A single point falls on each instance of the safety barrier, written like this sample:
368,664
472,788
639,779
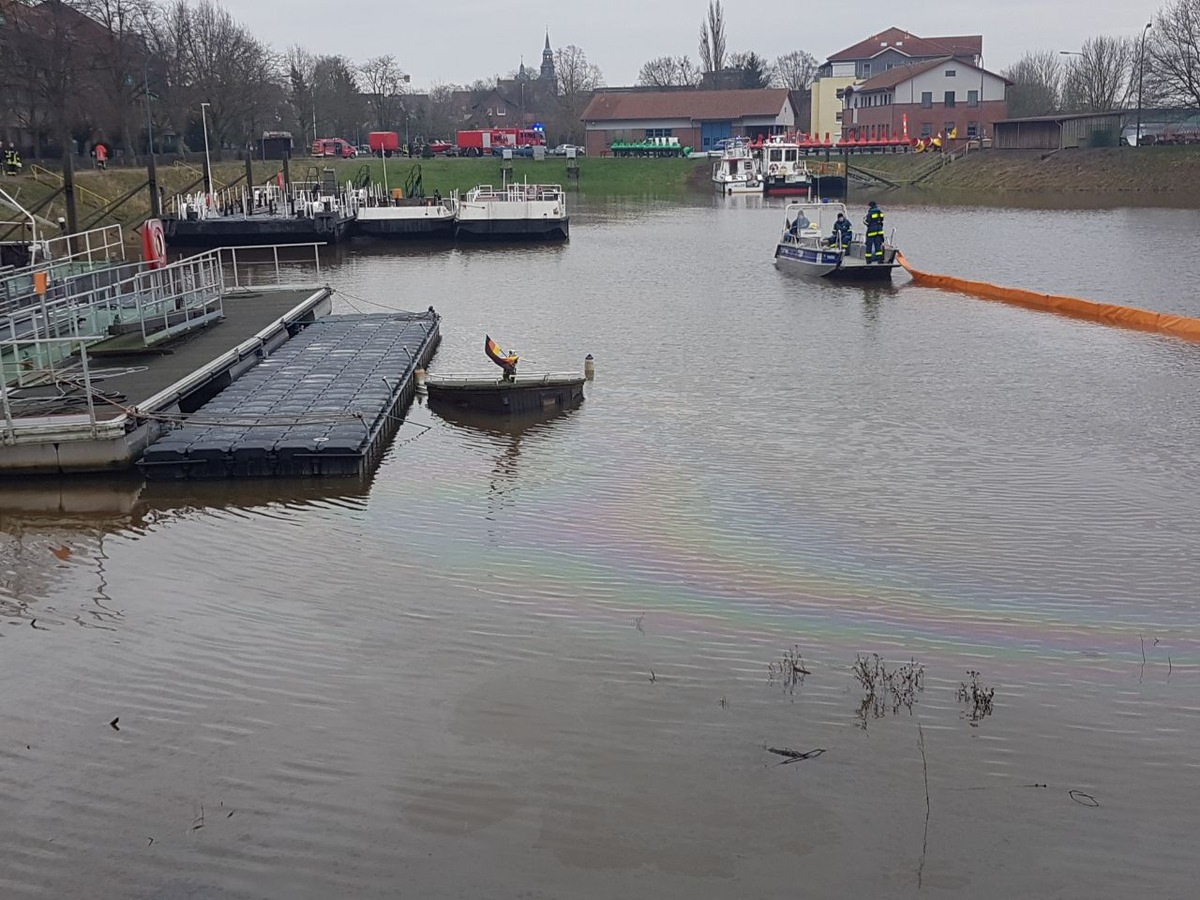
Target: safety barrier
1105,313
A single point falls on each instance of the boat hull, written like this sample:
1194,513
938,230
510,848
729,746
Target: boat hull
525,394
738,187
512,229
405,227
828,263
254,230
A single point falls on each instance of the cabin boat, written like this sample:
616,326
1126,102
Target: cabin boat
784,167
519,211
807,248
738,171
382,215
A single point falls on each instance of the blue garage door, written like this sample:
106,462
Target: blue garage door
711,132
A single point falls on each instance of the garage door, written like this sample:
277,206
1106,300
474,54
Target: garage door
711,132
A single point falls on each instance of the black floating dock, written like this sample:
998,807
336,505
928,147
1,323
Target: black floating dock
326,403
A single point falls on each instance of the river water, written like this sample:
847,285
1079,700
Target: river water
545,661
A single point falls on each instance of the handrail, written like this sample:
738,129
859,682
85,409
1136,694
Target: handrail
37,171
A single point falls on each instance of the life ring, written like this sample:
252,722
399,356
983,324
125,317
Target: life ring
154,244
774,168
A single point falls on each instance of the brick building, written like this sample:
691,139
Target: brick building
939,96
697,118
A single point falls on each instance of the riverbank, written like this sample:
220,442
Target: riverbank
1142,174
1097,177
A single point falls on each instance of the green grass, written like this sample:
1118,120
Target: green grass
599,176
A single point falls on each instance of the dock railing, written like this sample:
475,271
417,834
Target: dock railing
62,258
244,267
28,419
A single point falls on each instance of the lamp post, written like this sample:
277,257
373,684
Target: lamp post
1137,133
155,207
207,160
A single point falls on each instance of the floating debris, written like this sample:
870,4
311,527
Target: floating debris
789,671
114,725
978,698
794,755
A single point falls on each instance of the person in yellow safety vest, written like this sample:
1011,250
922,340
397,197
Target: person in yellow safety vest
12,160
873,251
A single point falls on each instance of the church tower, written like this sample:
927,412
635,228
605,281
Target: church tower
548,73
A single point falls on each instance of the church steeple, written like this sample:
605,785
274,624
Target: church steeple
548,73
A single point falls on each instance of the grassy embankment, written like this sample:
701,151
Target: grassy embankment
1146,172
597,177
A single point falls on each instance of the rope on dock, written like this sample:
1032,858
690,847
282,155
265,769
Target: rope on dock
1111,314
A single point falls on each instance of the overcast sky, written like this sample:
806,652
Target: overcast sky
458,41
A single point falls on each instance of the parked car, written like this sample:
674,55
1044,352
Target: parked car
561,150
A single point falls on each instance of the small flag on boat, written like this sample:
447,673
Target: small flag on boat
506,361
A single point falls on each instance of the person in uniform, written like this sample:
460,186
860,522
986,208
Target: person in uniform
874,243
842,233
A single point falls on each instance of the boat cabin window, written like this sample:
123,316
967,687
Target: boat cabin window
776,155
789,154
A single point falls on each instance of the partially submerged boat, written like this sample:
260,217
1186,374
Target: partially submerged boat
809,246
738,171
513,212
508,393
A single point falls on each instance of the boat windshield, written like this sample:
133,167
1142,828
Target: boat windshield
814,218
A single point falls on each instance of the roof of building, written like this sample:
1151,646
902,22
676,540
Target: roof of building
897,75
910,45
1056,118
685,104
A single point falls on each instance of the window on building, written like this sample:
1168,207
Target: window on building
949,99
866,70
659,132
926,129
950,126
950,73
490,111
837,116
501,111
972,98
927,99
972,129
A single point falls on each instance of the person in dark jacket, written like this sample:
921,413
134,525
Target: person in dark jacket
874,243
842,233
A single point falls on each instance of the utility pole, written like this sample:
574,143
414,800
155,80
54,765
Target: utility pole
1137,133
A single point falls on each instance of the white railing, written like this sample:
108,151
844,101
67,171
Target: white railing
49,417
62,258
238,265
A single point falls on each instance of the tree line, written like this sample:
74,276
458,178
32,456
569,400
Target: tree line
86,71
1158,68
720,68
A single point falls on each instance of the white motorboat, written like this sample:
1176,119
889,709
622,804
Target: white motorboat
737,171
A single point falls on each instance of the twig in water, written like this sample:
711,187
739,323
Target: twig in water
652,678
113,724
925,839
637,623
198,822
795,755
1084,799
1143,640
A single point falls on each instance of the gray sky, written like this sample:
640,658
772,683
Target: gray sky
461,40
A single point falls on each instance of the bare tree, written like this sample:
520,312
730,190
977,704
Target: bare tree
383,83
1099,79
577,81
121,61
336,96
712,38
1036,84
1172,53
794,71
668,72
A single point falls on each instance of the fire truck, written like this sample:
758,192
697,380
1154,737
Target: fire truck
482,141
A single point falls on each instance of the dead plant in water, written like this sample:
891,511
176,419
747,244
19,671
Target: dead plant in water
978,698
789,671
884,688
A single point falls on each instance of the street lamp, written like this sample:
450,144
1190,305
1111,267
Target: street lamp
207,162
155,206
1137,133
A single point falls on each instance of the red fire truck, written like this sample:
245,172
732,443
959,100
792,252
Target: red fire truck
482,141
